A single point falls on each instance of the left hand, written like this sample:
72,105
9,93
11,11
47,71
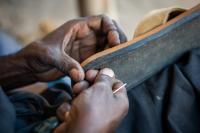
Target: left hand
60,52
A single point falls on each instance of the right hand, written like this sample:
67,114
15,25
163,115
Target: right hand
96,109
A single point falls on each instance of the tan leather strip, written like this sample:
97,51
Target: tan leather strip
110,50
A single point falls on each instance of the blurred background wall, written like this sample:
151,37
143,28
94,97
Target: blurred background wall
28,20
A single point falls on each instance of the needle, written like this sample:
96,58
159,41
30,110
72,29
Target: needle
119,88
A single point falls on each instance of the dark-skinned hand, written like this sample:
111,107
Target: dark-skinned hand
61,52
95,109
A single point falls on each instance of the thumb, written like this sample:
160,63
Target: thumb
62,109
68,65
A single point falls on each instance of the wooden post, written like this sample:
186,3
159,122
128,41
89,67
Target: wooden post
96,7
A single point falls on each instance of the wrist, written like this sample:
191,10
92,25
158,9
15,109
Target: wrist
14,72
88,129
88,124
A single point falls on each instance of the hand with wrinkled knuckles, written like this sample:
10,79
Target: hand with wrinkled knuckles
95,109
60,52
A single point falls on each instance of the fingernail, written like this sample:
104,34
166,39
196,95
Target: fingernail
113,38
91,75
64,107
107,71
80,86
76,75
66,114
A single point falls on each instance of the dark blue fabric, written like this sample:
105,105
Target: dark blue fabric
32,109
7,114
168,102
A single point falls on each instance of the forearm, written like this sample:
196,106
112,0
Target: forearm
82,125
14,73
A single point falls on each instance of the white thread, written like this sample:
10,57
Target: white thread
120,88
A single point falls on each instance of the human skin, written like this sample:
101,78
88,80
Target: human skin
95,109
60,52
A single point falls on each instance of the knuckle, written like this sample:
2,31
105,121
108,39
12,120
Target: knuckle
40,50
106,79
74,23
107,70
101,85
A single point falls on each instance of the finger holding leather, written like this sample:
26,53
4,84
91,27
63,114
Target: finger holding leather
80,86
122,35
105,78
91,75
62,109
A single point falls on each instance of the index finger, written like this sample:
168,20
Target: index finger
104,74
105,79
101,22
105,24
122,35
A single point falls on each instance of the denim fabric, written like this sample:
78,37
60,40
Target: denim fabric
33,110
168,102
